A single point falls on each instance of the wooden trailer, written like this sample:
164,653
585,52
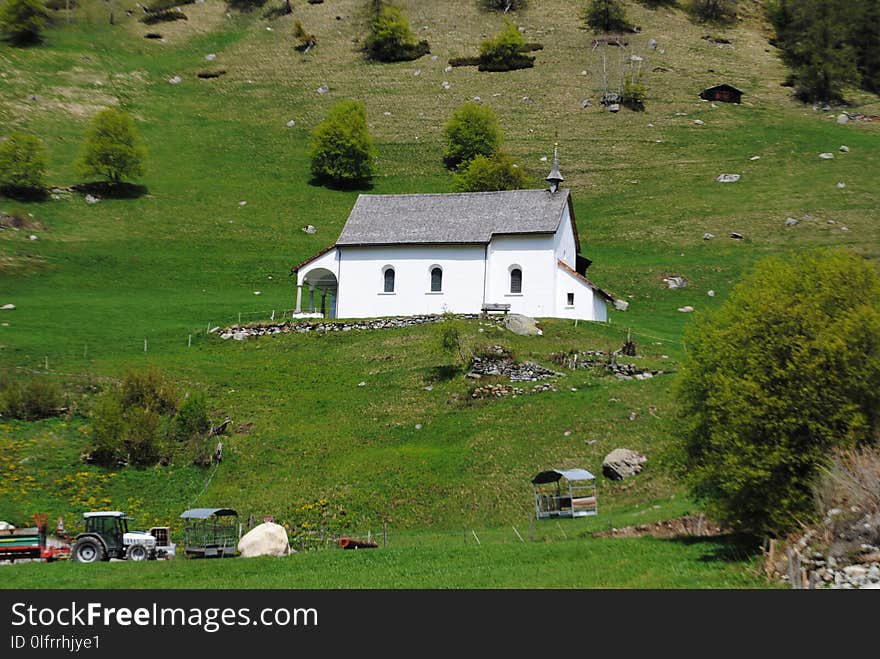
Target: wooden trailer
565,493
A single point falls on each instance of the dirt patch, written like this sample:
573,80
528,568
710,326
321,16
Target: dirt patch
20,220
243,428
691,525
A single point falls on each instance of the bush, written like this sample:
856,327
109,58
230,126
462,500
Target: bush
713,10
504,52
342,151
23,163
391,39
30,400
472,130
163,16
607,16
192,420
498,172
451,338
23,21
245,6
112,148
140,422
634,93
502,5
305,41
785,371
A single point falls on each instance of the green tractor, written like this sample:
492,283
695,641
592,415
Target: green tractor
107,536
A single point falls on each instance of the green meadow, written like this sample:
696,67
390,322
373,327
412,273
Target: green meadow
132,282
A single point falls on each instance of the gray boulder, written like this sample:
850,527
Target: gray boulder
266,539
522,325
622,463
621,305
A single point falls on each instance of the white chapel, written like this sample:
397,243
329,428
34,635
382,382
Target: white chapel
409,254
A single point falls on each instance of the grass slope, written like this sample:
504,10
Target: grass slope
188,255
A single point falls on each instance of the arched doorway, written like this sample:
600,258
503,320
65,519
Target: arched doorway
322,289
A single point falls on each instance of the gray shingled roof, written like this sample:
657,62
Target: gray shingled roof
466,217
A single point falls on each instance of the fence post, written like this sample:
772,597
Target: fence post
189,343
145,345
384,534
531,529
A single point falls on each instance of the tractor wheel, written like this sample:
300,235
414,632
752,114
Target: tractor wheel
88,550
136,553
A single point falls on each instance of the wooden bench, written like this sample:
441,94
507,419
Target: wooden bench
489,307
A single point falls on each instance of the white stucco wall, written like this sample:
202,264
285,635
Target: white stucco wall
361,270
328,261
534,255
563,242
587,304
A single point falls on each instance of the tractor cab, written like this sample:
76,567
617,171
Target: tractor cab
107,536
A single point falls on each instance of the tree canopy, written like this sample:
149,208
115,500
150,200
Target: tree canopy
112,149
22,163
607,16
342,151
787,369
471,130
497,172
23,21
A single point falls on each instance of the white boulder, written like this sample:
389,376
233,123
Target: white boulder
266,539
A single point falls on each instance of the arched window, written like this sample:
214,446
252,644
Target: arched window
515,280
388,280
436,279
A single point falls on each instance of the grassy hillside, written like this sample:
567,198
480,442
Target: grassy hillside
188,255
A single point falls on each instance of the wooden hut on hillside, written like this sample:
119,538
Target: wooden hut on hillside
724,93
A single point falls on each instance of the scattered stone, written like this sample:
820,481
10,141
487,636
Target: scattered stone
242,203
429,388
842,118
386,114
708,236
543,158
210,57
755,158
91,199
826,156
622,463
791,221
7,307
522,325
710,293
621,305
841,185
727,178
32,237
675,281
323,89
686,309
309,229
258,292
418,426
176,80
567,433
585,103
362,384
652,43
737,236
699,122
526,99
239,335
633,416
417,72
445,84
291,123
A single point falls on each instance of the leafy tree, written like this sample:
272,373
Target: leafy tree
504,52
865,39
472,130
23,21
714,10
498,172
786,370
22,163
390,38
112,148
607,16
342,150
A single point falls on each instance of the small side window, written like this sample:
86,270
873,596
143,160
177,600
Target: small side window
388,280
570,299
436,279
516,280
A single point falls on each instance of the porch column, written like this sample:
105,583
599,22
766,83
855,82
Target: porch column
324,302
311,299
331,297
299,295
